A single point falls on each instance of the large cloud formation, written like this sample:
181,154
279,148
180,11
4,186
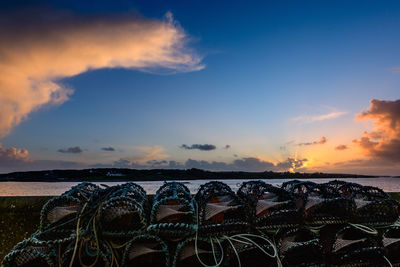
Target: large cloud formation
250,164
383,142
39,48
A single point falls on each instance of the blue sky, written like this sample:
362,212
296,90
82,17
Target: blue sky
273,75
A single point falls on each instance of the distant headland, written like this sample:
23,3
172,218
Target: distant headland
116,174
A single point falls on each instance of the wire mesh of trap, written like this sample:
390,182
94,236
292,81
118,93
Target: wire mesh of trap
31,253
321,203
300,247
124,211
146,250
356,246
220,210
391,244
173,212
372,205
89,252
270,207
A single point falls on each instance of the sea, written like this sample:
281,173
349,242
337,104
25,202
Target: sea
388,184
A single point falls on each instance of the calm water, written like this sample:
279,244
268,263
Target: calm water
388,184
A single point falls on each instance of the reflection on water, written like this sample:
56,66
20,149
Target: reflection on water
388,184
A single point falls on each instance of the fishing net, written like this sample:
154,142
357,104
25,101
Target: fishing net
322,204
123,213
270,207
373,206
173,212
300,247
391,244
31,253
146,250
357,245
195,252
88,252
220,210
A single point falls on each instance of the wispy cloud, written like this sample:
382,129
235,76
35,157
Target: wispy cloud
38,48
322,117
321,141
396,69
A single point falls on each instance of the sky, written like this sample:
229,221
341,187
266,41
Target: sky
299,86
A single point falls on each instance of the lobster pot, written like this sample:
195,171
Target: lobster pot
31,253
173,212
88,252
356,247
270,207
220,210
123,214
391,244
146,250
60,214
251,251
323,204
300,247
375,207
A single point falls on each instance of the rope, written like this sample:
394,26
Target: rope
365,228
218,263
77,237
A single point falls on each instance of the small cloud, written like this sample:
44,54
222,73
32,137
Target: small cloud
205,147
108,148
227,147
341,147
315,118
321,141
396,69
72,150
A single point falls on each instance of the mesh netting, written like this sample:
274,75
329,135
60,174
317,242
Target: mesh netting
220,210
270,207
173,211
124,212
300,247
146,250
353,244
322,203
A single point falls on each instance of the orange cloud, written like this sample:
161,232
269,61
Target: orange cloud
12,155
383,141
36,52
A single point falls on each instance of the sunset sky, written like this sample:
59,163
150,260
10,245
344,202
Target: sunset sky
220,85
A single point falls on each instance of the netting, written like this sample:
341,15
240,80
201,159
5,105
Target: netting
220,210
357,244
173,212
303,223
270,207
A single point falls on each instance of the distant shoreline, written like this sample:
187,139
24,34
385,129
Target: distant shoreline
134,175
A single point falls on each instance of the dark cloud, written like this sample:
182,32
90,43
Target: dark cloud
291,164
341,147
155,163
72,150
383,142
108,148
205,147
321,141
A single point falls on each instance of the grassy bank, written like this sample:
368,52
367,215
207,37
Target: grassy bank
20,218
